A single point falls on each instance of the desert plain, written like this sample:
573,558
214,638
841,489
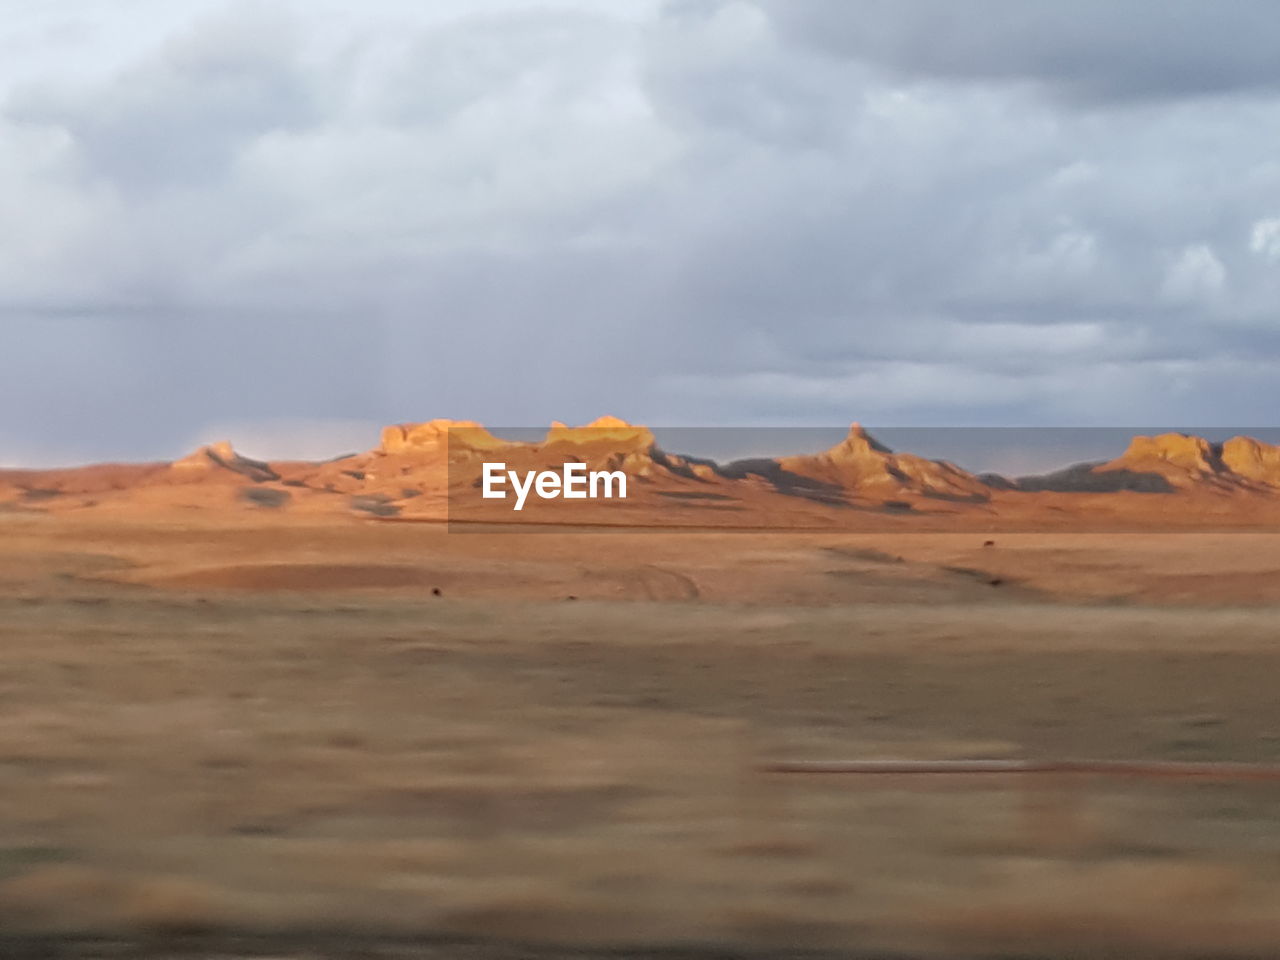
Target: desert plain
232,726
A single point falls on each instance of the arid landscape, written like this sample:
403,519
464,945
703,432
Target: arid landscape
924,606
247,712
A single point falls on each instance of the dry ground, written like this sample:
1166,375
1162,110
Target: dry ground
274,726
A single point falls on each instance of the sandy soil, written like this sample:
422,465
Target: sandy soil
271,726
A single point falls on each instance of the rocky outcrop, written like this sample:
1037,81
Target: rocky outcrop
610,430
863,466
607,443
435,435
1180,451
1181,459
1172,462
1253,460
220,460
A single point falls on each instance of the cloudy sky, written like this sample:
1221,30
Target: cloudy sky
288,222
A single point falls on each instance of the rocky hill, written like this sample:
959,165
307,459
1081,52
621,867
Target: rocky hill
862,467
1170,463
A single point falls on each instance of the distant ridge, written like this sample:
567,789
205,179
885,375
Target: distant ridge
428,469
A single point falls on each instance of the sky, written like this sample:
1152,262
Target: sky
286,223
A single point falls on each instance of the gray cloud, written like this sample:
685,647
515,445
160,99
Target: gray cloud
177,118
1088,50
685,213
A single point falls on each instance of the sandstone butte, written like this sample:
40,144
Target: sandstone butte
416,465
436,434
1252,459
1187,461
603,429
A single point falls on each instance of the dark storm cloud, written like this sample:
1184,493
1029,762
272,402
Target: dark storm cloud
1087,50
684,213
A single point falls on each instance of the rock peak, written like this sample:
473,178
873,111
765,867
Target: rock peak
1252,459
222,455
859,444
1178,449
435,435
863,464
613,429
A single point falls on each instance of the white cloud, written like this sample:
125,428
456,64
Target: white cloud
1264,238
1195,274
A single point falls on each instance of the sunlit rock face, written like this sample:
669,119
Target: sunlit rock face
863,465
610,430
220,460
434,435
1190,453
1253,460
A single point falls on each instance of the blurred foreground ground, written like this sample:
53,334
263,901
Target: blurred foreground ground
276,730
